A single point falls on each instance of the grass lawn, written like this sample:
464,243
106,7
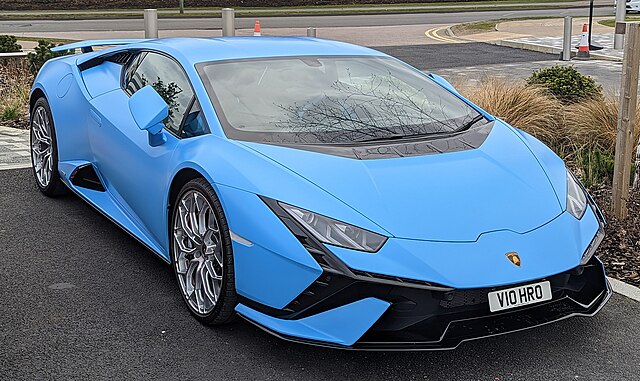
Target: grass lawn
612,22
54,40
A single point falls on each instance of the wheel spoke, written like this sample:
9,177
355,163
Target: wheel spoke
183,210
179,237
189,280
212,271
181,264
207,279
203,213
193,219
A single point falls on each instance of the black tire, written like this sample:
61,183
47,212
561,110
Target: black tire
224,310
55,186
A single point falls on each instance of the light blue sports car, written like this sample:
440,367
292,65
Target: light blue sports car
326,192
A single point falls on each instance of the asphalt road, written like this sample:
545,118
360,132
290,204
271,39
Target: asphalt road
31,26
431,57
83,300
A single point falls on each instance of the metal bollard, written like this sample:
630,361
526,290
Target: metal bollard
311,32
150,23
228,22
621,12
566,42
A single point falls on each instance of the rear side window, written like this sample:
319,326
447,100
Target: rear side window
167,78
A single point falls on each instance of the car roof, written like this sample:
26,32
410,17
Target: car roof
198,50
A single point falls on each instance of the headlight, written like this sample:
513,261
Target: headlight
576,198
332,232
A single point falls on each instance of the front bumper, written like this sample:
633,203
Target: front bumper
418,315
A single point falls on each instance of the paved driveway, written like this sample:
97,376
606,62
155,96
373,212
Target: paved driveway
83,300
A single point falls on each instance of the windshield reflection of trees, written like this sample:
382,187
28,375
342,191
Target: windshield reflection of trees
381,107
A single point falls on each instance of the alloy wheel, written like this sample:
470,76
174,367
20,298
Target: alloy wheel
41,146
198,256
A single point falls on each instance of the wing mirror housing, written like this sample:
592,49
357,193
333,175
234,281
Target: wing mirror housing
149,111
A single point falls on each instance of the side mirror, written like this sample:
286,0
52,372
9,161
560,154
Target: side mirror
149,110
442,82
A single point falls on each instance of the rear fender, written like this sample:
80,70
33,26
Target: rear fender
58,80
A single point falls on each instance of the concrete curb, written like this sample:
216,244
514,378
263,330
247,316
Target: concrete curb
625,289
530,46
547,49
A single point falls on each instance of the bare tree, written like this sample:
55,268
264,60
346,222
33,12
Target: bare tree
381,106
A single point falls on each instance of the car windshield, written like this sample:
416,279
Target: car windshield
330,100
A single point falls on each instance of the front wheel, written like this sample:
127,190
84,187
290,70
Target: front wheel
201,254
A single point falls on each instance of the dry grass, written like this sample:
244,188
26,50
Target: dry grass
592,124
15,84
526,107
583,133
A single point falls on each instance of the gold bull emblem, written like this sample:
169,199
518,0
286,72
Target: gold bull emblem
514,258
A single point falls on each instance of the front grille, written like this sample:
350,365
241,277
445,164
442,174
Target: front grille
461,298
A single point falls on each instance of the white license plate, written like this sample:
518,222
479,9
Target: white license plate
519,296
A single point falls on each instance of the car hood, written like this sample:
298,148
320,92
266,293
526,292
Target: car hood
451,196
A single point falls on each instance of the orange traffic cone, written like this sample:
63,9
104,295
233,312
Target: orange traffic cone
256,29
583,48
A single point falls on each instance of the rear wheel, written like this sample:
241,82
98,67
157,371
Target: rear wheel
44,150
201,254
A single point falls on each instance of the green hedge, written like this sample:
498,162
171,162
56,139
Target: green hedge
141,4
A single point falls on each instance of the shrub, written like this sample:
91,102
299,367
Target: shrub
9,44
595,167
566,83
42,53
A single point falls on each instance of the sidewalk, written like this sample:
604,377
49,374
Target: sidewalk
546,36
548,33
362,35
14,148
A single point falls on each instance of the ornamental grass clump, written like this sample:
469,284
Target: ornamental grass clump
529,108
15,85
582,132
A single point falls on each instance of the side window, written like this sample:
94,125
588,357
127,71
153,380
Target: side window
167,78
194,123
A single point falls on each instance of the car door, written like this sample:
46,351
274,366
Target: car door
137,174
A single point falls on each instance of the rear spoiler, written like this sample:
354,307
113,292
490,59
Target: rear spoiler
87,46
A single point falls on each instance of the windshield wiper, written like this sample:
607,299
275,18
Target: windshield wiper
470,123
383,138
465,127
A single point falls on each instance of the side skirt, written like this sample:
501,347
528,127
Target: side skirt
102,202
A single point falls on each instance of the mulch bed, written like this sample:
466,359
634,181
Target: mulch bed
620,249
22,123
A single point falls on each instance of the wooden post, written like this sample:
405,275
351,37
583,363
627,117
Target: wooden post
626,121
636,176
181,4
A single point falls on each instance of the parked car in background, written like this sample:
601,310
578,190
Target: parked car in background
631,6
